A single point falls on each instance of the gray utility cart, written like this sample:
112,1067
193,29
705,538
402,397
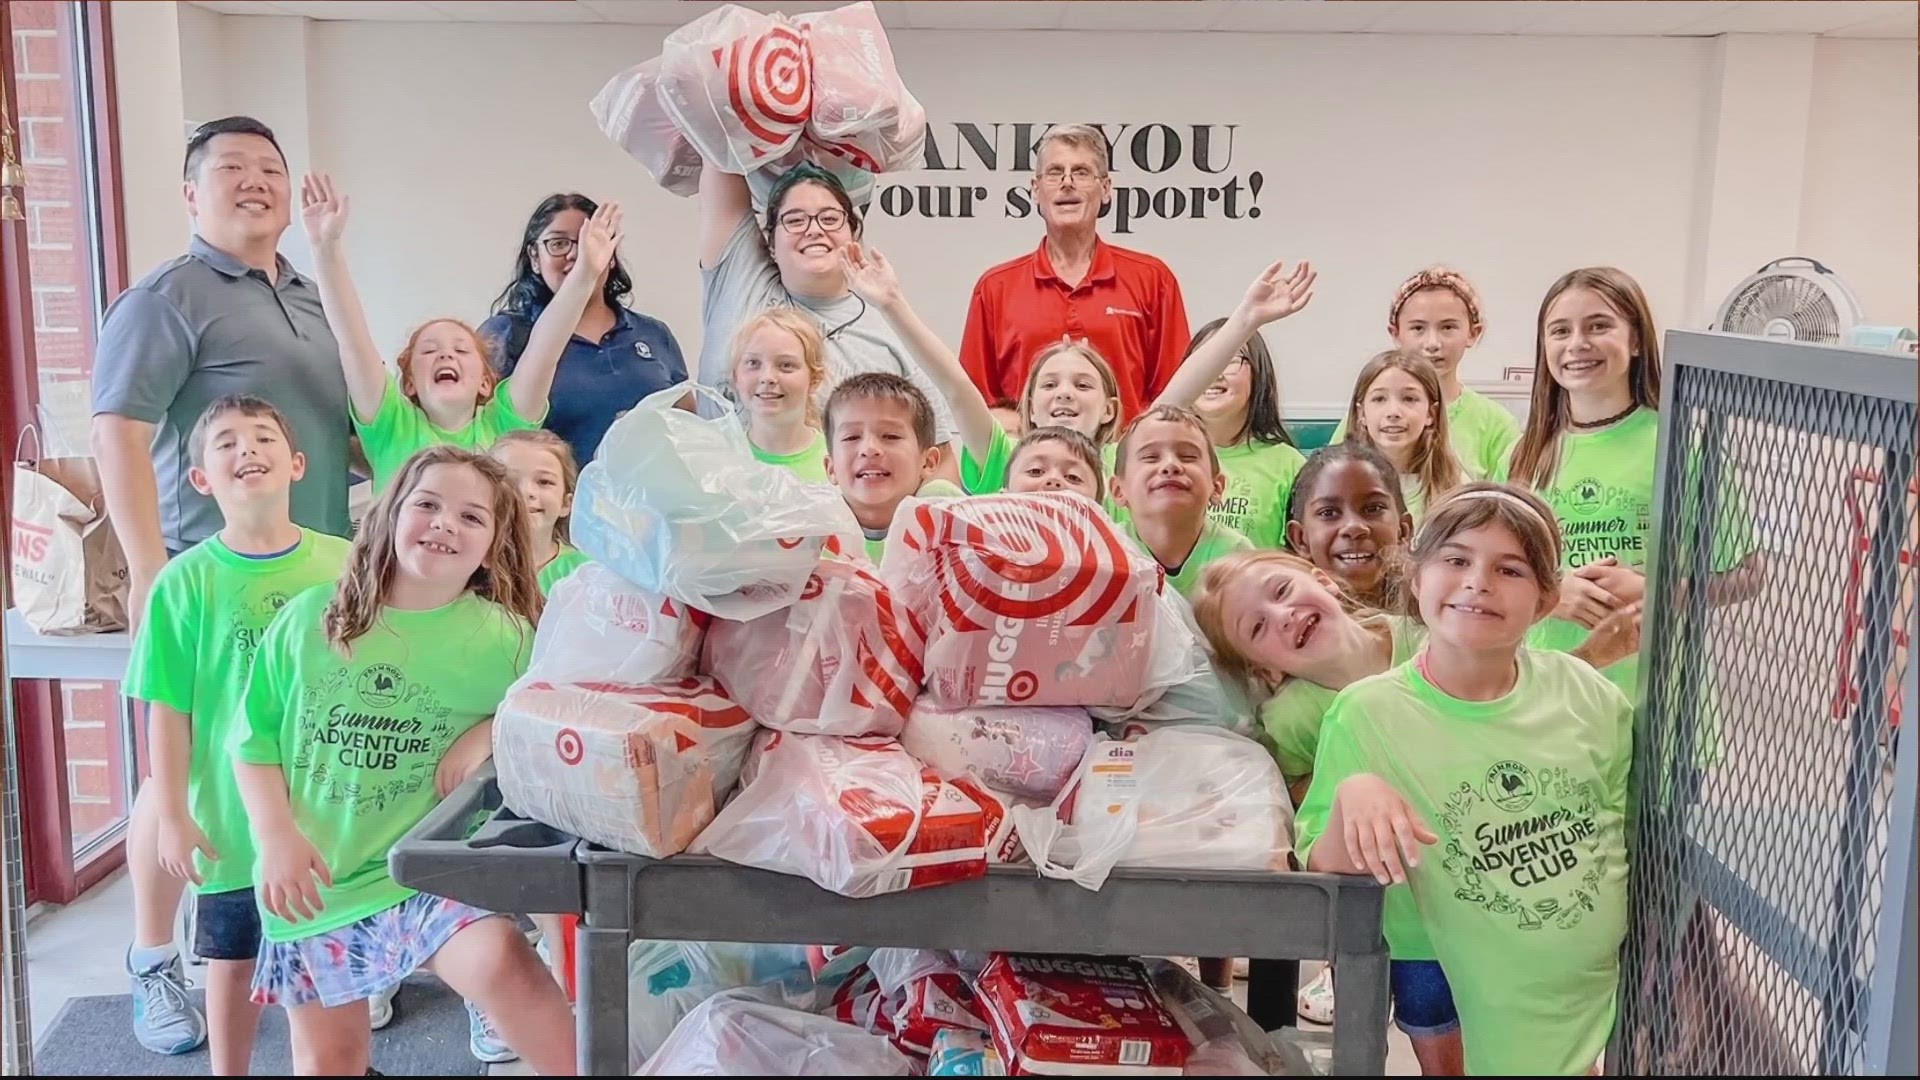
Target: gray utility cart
474,850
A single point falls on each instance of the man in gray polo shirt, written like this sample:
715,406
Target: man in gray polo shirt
230,316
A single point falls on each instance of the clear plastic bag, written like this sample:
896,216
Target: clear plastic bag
1193,692
629,111
1033,599
739,85
637,768
862,113
1226,1041
859,817
1185,798
843,660
678,505
599,627
734,1033
1026,752
667,979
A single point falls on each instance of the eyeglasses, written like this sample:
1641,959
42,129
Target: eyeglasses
832,219
558,246
1081,175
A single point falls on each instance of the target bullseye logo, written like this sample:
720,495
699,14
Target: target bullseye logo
813,588
789,543
570,746
1022,686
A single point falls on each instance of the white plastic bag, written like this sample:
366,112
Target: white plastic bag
636,768
738,84
859,817
734,1033
1226,1041
1027,752
666,980
629,112
1185,798
1033,599
861,112
843,660
600,627
677,505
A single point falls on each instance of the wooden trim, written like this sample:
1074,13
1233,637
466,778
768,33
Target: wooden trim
98,20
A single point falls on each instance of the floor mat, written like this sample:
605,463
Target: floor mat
93,1036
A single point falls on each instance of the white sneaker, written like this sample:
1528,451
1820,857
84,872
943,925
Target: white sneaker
380,1008
1316,998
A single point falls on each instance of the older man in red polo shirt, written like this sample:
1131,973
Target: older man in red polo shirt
1126,303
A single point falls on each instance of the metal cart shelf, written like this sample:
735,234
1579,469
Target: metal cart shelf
510,864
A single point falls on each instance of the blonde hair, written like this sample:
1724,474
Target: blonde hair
1536,458
1171,414
1433,460
813,349
1209,603
1109,384
541,438
1080,136
1445,278
1513,508
489,379
506,575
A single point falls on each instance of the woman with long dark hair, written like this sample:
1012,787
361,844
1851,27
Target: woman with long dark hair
617,355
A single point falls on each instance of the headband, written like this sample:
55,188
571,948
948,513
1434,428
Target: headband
1505,496
1438,277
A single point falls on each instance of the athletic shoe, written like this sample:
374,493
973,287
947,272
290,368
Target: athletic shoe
484,1041
1316,998
380,1008
164,1018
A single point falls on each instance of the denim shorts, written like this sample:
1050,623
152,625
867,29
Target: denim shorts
226,925
1422,1000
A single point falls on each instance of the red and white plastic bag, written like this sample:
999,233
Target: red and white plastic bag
843,660
636,768
857,816
1079,1016
1030,600
1027,752
734,1033
862,113
1185,798
599,627
739,85
629,111
1193,691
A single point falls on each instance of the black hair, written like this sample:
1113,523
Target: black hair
528,290
808,173
226,125
1318,462
1264,423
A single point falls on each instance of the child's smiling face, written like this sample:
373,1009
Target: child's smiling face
875,459
1169,471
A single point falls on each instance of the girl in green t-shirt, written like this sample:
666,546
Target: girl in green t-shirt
1396,408
1348,516
368,701
1242,411
541,465
779,368
1511,765
444,389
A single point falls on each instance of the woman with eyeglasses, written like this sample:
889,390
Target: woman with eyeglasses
616,355
792,258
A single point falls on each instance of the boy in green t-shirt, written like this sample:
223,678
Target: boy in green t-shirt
204,619
880,449
1166,475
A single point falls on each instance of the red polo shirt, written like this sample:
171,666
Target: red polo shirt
1129,307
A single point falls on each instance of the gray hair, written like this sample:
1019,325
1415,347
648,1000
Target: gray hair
1083,136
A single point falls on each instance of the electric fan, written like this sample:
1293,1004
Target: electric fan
1794,299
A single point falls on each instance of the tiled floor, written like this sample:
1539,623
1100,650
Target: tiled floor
78,950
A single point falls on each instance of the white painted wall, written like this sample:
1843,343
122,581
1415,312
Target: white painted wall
148,91
1686,161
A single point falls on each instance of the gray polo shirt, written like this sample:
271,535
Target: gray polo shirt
206,325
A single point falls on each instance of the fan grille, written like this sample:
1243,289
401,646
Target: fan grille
1784,305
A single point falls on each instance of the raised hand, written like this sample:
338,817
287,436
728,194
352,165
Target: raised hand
1277,293
1585,601
871,276
1616,638
323,210
599,239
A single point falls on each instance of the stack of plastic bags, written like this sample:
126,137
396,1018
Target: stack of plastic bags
755,94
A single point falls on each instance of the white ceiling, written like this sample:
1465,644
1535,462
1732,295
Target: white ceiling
1837,18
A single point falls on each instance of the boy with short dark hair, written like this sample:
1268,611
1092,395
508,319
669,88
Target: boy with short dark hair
881,449
1166,473
190,659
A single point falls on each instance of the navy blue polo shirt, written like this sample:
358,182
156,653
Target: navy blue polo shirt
597,381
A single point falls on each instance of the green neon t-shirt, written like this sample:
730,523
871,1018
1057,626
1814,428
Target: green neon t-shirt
401,429
565,562
932,489
809,464
205,617
1216,541
1259,482
1481,431
1524,898
989,477
1291,718
360,737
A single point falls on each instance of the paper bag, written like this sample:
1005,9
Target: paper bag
69,574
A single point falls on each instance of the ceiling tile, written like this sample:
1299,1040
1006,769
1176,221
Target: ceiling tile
240,7
1307,16
1905,24
1171,16
986,15
1621,17
365,11
529,11
1789,16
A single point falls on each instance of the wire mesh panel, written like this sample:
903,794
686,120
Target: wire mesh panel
1783,564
